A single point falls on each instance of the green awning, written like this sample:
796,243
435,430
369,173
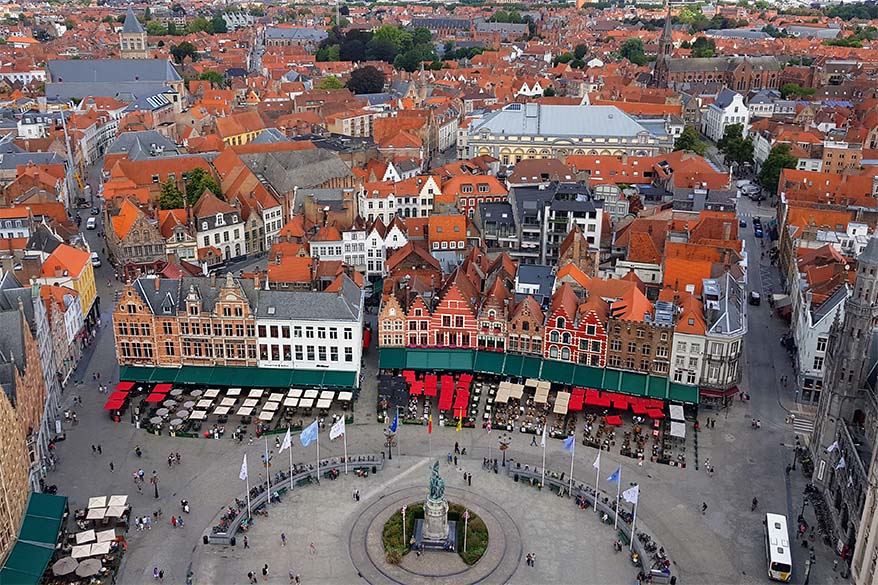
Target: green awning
306,378
340,379
683,393
634,384
612,380
490,362
194,375
531,367
392,358
558,372
134,374
588,376
461,360
39,529
26,564
47,506
513,364
417,359
274,378
162,375
658,387
43,519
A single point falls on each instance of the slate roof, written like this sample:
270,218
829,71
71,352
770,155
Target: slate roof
718,64
136,145
132,25
344,305
303,169
108,77
299,34
556,120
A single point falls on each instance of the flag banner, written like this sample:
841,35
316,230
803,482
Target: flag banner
337,429
616,475
840,464
597,461
288,442
309,434
459,424
631,494
395,422
543,440
243,474
570,443
488,427
832,447
430,425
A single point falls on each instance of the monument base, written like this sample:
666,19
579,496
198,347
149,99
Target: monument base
449,544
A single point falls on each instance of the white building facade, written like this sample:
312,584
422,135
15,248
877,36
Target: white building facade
728,108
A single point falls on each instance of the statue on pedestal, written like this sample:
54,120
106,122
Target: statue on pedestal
437,485
436,509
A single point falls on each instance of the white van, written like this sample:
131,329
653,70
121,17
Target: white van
91,223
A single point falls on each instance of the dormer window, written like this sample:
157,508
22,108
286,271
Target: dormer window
234,219
219,219
204,226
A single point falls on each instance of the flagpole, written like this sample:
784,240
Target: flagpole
247,479
543,471
572,454
318,450
618,490
597,477
345,438
267,470
290,448
633,523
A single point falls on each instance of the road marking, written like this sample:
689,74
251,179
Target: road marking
803,426
381,489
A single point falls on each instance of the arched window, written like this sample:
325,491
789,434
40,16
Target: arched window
565,353
560,322
554,337
553,352
565,338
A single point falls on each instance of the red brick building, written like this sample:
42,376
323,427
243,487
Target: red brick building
454,321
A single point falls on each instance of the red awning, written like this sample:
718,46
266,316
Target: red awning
162,388
604,400
620,402
655,413
614,420
576,399
416,388
715,392
592,397
124,386
155,397
408,375
117,396
114,404
655,403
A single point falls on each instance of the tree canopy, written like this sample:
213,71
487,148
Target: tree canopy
778,159
703,47
734,146
170,197
367,79
632,49
389,43
197,181
690,139
794,91
329,82
215,78
183,50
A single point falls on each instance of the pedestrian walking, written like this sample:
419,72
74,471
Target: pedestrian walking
112,467
754,504
357,495
250,577
456,448
100,451
533,441
835,565
246,542
177,457
703,507
265,572
94,449
283,539
469,480
448,459
174,521
312,549
455,460
155,573
292,577
161,574
298,579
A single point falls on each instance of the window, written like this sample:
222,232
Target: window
321,333
333,333
169,348
300,355
310,351
645,350
554,337
333,354
348,354
818,363
309,332
321,353
632,347
565,337
168,328
348,333
297,331
565,353
590,329
553,352
596,346
615,345
821,344
560,322
263,331
458,321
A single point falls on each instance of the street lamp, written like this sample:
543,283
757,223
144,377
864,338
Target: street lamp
390,441
154,480
504,441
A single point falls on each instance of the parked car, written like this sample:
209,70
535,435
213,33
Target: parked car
755,298
758,232
95,210
95,259
742,223
92,223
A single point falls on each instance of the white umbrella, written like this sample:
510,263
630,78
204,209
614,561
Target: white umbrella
96,513
85,536
81,551
117,501
106,535
100,548
97,502
116,512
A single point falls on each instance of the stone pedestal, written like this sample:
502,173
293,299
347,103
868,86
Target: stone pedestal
436,520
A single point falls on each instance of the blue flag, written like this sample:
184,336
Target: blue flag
569,443
615,477
309,434
395,422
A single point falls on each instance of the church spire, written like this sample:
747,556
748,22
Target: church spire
666,41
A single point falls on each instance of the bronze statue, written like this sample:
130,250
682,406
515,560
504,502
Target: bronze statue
437,485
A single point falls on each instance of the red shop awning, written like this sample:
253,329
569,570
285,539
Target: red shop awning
614,420
155,397
114,404
124,386
117,396
655,413
162,388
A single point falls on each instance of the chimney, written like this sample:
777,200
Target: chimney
59,272
8,264
171,257
213,279
158,283
727,231
257,277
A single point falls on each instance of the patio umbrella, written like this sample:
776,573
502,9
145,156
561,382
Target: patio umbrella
196,393
177,392
162,411
182,413
88,567
176,422
65,566
156,420
169,403
188,404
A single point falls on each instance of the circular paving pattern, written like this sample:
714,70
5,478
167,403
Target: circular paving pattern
500,560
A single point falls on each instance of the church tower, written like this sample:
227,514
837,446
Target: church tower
666,49
132,39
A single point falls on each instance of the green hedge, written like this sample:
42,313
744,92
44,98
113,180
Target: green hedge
394,546
476,538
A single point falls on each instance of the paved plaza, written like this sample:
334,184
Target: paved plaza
724,545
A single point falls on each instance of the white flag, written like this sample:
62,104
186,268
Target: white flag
243,474
597,461
631,494
840,464
832,447
543,441
288,442
337,429
850,480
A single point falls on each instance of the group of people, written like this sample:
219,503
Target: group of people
173,458
530,559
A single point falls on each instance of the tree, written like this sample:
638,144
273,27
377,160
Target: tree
197,182
734,146
366,80
394,36
703,47
794,90
172,29
215,78
580,51
354,50
380,50
549,91
577,64
635,204
330,53
200,24
422,36
778,159
329,82
257,11
564,58
690,139
218,24
147,14
170,197
632,49
183,50
155,29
